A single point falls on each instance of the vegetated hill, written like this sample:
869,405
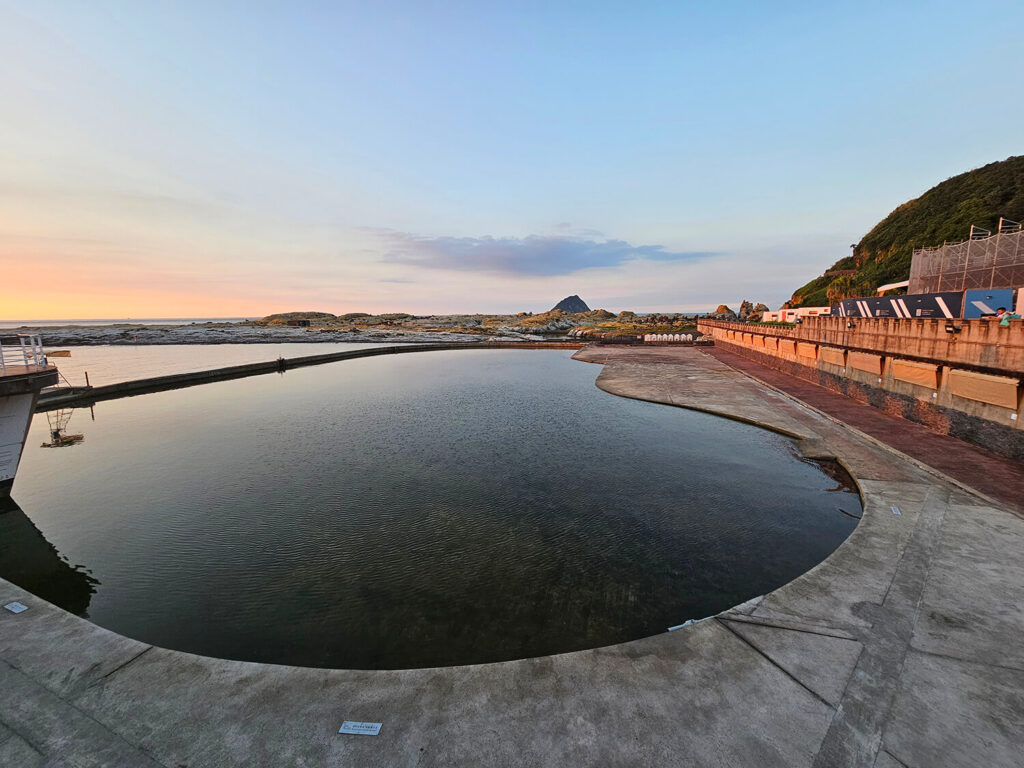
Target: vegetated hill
944,212
571,304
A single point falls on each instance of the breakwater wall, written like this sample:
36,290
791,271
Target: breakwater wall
964,381
78,396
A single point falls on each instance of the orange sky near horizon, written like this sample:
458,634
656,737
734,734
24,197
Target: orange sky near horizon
68,304
53,288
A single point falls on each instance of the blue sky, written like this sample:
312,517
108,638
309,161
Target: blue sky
176,158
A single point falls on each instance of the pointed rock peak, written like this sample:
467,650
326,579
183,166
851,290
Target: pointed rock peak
572,305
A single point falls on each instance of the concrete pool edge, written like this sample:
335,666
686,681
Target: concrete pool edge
85,396
779,680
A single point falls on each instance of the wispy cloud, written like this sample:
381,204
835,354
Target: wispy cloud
536,255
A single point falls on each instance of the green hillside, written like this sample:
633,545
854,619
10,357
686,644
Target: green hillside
944,212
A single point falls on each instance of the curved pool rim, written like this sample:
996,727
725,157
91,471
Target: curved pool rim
798,439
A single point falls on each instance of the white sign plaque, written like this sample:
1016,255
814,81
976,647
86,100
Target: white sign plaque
16,607
366,729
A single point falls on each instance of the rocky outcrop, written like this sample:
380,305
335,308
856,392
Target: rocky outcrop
572,305
748,312
282,318
549,322
758,311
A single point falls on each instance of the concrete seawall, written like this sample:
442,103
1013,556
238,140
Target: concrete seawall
970,344
964,385
901,649
85,396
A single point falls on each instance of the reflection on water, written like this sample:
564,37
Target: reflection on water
57,422
422,510
33,563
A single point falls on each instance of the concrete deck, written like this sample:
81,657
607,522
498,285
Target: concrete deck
995,476
901,649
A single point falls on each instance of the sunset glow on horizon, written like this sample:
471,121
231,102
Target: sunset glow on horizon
182,160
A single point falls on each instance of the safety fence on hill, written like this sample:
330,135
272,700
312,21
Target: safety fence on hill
985,261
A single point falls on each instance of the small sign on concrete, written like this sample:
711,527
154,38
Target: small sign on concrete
16,607
364,729
896,511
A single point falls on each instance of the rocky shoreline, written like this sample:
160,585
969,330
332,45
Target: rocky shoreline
356,327
243,333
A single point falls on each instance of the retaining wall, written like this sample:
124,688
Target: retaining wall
965,384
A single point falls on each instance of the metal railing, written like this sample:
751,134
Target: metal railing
22,353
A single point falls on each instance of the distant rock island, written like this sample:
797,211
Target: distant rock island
571,305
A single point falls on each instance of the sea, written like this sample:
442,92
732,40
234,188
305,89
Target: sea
122,320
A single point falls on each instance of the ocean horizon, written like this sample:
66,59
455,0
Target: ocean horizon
123,320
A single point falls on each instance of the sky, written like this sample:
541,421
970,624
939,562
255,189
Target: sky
234,159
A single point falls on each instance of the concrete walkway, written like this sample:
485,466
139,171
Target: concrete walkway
995,476
903,648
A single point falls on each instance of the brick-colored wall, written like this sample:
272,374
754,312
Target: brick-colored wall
981,343
969,381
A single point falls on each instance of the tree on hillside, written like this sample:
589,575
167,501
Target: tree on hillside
847,287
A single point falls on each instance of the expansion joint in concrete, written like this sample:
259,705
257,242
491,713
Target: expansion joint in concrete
855,735
893,758
770,660
915,560
965,660
837,634
14,733
124,664
140,755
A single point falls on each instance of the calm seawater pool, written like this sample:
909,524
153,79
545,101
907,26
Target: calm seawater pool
417,510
